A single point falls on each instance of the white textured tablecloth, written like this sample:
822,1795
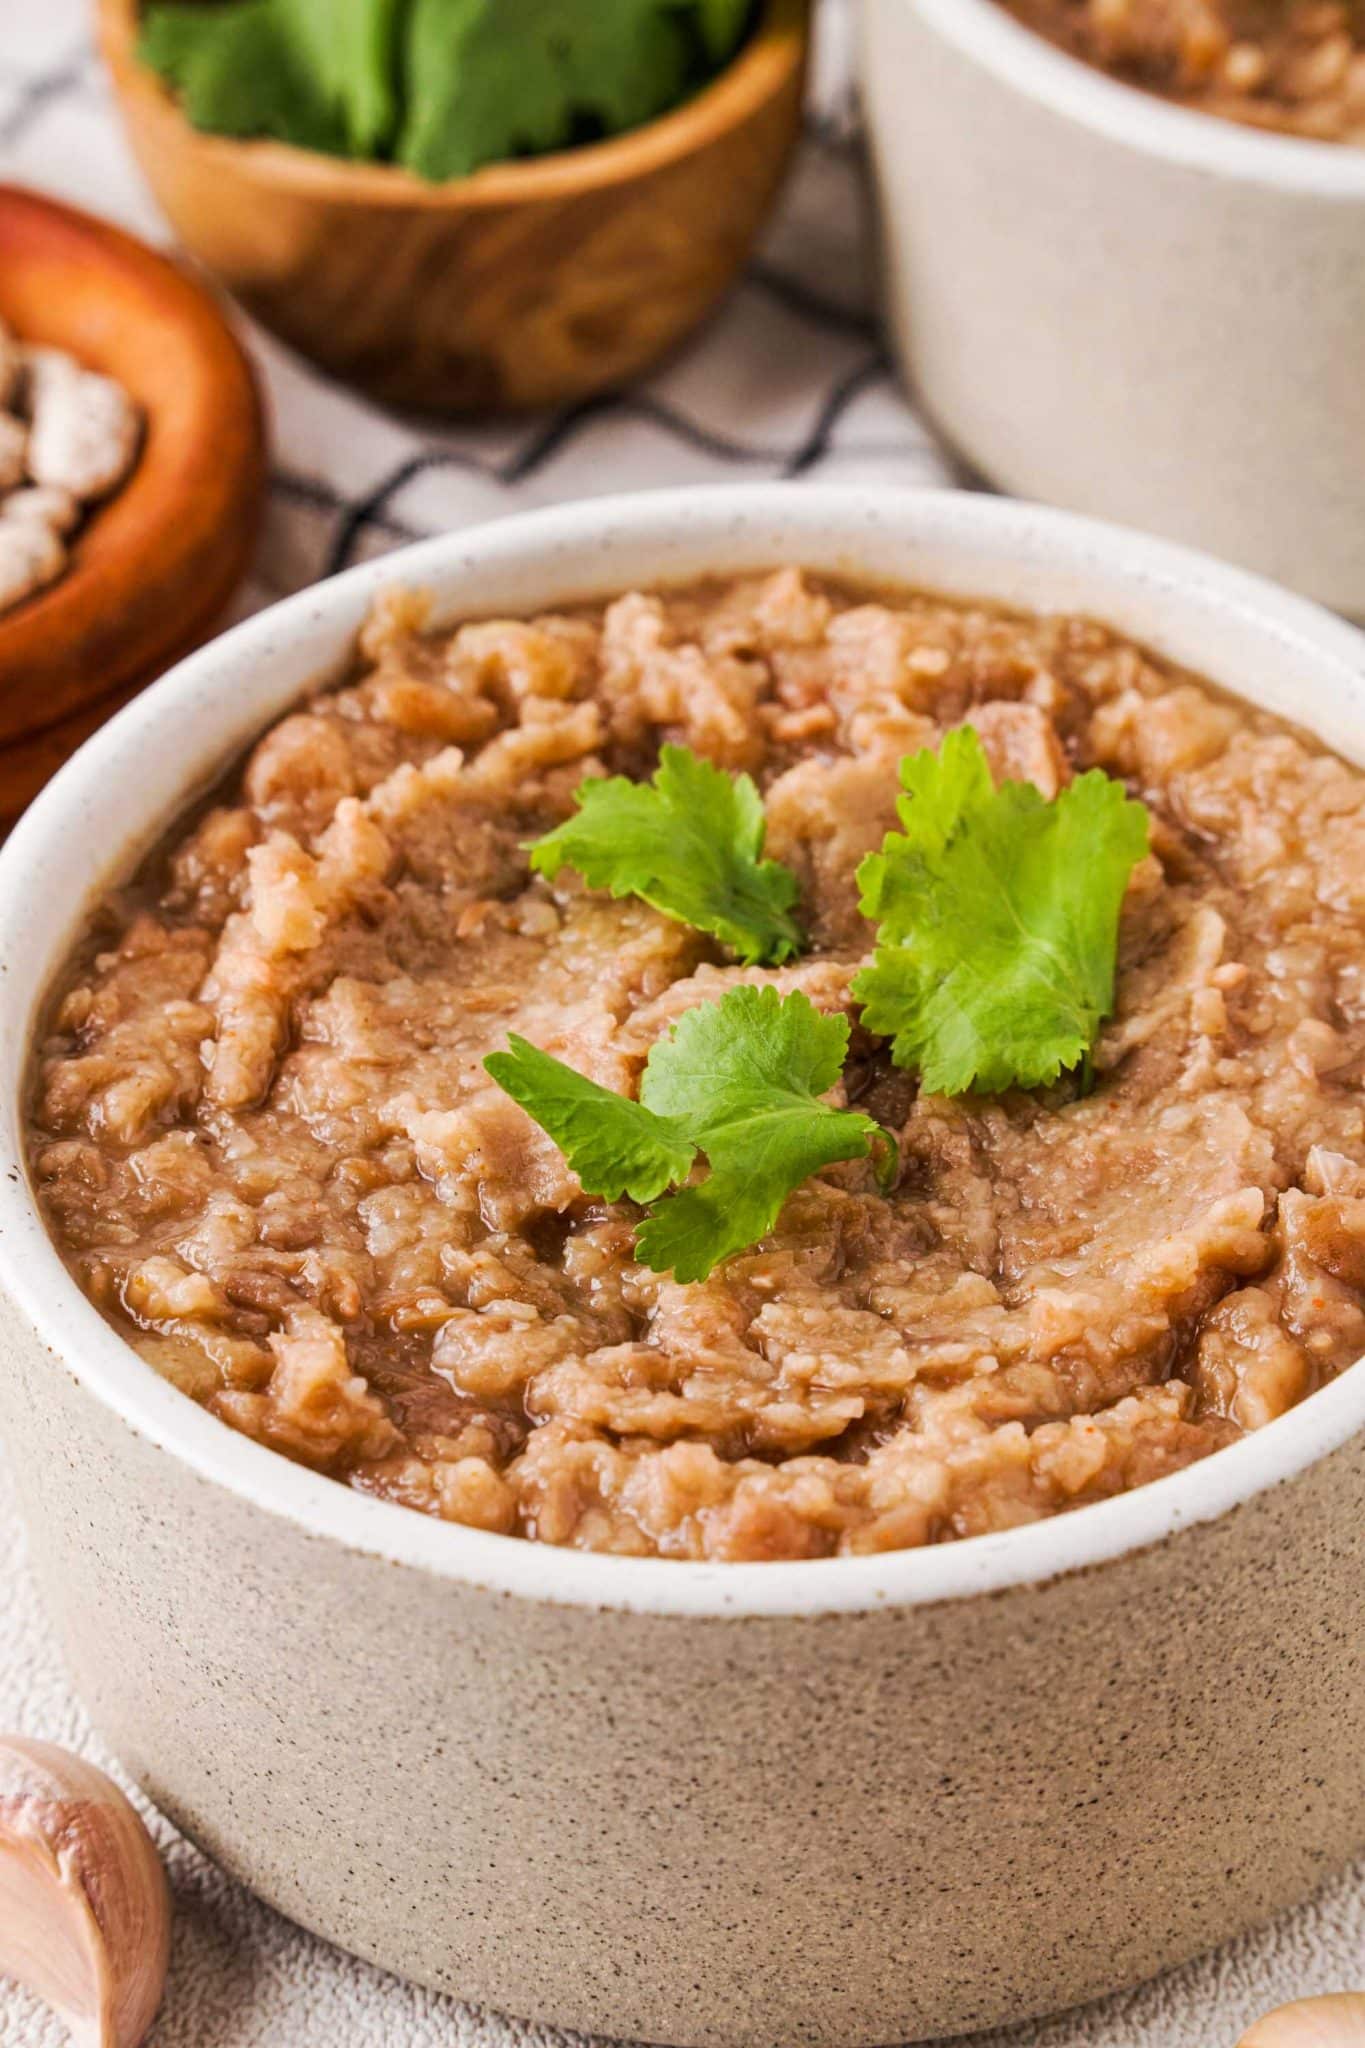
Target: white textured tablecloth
790,379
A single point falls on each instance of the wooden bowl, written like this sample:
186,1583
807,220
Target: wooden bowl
153,569
29,762
528,284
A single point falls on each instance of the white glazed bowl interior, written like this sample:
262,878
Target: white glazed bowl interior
129,783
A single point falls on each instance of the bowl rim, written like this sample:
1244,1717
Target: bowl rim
823,525
1023,59
760,69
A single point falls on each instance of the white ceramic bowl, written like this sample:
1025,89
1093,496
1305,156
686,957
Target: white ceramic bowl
862,1800
1119,305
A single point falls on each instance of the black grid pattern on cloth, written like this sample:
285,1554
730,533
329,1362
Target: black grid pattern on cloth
33,95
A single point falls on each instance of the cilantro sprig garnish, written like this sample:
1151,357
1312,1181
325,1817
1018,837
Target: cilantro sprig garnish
739,1081
691,844
439,86
488,79
997,915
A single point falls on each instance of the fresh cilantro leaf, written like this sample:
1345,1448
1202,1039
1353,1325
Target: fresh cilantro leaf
237,72
690,843
490,79
721,24
745,1077
443,86
350,51
615,1146
740,1080
997,916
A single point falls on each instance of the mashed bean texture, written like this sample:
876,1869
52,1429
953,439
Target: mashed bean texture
264,1139
1293,65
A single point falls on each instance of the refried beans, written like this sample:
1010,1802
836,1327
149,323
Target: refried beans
265,1142
1297,66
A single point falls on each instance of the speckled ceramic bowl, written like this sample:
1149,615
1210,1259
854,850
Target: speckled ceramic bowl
863,1800
1120,305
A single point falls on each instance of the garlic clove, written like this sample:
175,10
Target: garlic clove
84,1907
1335,2021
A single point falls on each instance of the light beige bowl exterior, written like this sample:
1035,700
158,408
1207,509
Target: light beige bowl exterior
858,1801
1119,305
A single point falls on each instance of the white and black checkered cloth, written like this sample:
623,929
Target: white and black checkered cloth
790,378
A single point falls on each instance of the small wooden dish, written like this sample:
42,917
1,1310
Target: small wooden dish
153,568
528,284
27,763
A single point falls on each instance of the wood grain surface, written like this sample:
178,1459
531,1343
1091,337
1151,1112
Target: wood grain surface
528,284
154,567
26,764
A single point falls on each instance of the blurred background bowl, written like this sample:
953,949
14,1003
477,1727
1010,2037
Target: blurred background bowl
1121,305
153,568
528,284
